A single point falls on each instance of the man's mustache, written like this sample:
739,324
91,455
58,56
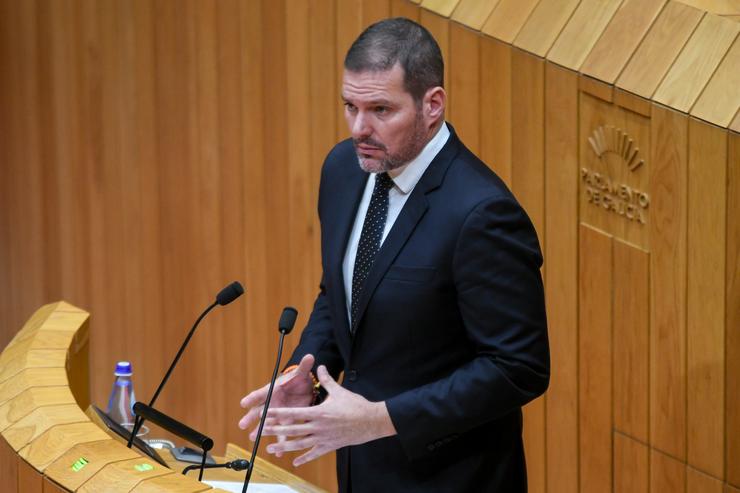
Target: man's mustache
369,142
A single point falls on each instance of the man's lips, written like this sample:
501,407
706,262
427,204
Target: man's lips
367,148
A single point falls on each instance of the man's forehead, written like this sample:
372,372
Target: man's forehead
377,83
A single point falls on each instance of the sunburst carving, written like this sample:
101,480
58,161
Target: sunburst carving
607,138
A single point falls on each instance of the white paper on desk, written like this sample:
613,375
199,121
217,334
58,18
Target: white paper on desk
253,487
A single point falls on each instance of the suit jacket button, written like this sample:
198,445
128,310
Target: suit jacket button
430,447
352,375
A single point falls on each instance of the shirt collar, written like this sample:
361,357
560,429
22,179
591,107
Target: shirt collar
411,173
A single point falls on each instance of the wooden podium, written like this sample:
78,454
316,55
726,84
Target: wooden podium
50,445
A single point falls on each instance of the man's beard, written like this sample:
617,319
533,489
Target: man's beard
408,151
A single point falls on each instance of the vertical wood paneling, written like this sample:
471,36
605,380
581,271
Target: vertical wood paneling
732,314
705,319
561,283
29,480
595,359
495,106
668,175
464,90
8,467
404,8
631,465
631,340
698,482
527,180
439,27
667,475
349,22
375,10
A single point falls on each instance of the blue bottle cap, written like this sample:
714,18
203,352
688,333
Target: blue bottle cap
123,369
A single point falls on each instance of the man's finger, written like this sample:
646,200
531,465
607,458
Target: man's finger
249,418
292,445
293,430
254,398
312,454
291,413
326,380
305,365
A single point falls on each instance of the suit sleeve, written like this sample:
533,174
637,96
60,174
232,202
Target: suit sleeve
317,338
501,301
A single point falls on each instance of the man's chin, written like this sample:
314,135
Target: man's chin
369,165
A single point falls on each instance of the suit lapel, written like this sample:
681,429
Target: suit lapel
412,212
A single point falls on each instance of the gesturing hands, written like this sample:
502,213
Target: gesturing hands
294,389
344,418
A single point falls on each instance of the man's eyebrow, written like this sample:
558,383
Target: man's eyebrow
372,102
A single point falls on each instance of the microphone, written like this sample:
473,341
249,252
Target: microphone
229,293
235,465
285,325
224,297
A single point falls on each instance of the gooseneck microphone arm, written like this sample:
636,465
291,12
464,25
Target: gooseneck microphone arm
224,297
287,321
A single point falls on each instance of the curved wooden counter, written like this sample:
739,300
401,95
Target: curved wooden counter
50,445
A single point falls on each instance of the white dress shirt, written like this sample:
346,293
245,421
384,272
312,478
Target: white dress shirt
403,185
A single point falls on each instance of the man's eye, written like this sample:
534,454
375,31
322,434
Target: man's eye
381,110
350,107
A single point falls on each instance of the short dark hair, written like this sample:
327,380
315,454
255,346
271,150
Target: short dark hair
403,41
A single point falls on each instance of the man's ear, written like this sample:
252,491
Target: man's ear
434,103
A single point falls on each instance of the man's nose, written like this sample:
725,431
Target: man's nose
360,127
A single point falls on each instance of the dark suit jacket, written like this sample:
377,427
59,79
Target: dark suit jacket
451,334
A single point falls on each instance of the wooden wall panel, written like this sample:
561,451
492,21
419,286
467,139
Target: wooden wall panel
495,106
441,7
695,65
464,89
8,467
527,181
595,360
631,465
544,25
29,479
508,18
561,283
668,175
698,482
718,101
659,49
667,475
581,32
473,13
705,318
403,8
620,39
439,27
631,340
732,314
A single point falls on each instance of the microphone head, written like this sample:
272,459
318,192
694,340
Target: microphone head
229,293
287,320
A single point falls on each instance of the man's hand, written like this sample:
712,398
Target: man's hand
343,419
294,389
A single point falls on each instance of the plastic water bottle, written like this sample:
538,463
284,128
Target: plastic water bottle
121,402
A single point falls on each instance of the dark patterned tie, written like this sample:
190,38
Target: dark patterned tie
372,232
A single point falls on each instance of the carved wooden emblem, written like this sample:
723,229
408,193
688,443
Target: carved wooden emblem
609,186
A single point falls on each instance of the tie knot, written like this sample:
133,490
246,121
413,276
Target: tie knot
383,181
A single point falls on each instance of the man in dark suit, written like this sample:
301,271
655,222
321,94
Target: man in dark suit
431,302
